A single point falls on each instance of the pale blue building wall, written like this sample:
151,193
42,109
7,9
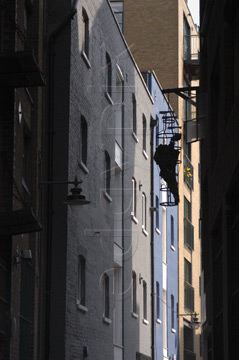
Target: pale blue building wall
161,104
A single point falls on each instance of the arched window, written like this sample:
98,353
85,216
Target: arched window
134,293
108,74
107,172
84,140
81,280
85,33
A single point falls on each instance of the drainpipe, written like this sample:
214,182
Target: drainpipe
153,123
123,194
51,44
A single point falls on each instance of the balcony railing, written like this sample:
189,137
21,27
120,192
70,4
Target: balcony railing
191,54
188,297
188,234
188,172
189,355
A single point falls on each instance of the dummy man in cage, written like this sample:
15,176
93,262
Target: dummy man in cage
166,156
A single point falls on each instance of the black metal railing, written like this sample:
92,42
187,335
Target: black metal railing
189,355
188,297
188,234
188,172
191,48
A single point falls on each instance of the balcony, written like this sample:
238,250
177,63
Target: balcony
188,172
191,55
188,297
189,355
188,234
20,69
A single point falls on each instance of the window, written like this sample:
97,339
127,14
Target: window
172,229
144,212
157,300
187,271
85,33
144,132
188,289
134,114
84,141
81,280
26,161
172,311
134,289
108,74
187,209
117,7
157,212
134,197
107,172
106,296
145,300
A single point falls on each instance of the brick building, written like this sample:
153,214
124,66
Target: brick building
220,156
21,119
98,255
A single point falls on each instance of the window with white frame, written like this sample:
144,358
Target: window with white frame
134,197
84,140
145,300
144,212
144,133
81,280
106,285
157,212
172,312
172,229
107,173
85,33
134,114
157,300
108,75
134,293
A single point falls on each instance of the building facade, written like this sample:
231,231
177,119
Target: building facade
168,44
219,154
21,119
100,253
165,236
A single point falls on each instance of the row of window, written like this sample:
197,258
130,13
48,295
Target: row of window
108,67
172,306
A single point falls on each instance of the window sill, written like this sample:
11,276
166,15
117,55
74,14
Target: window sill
145,154
145,322
173,331
144,231
134,136
172,248
134,315
107,320
80,307
135,220
157,231
83,167
107,196
158,321
109,98
86,60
